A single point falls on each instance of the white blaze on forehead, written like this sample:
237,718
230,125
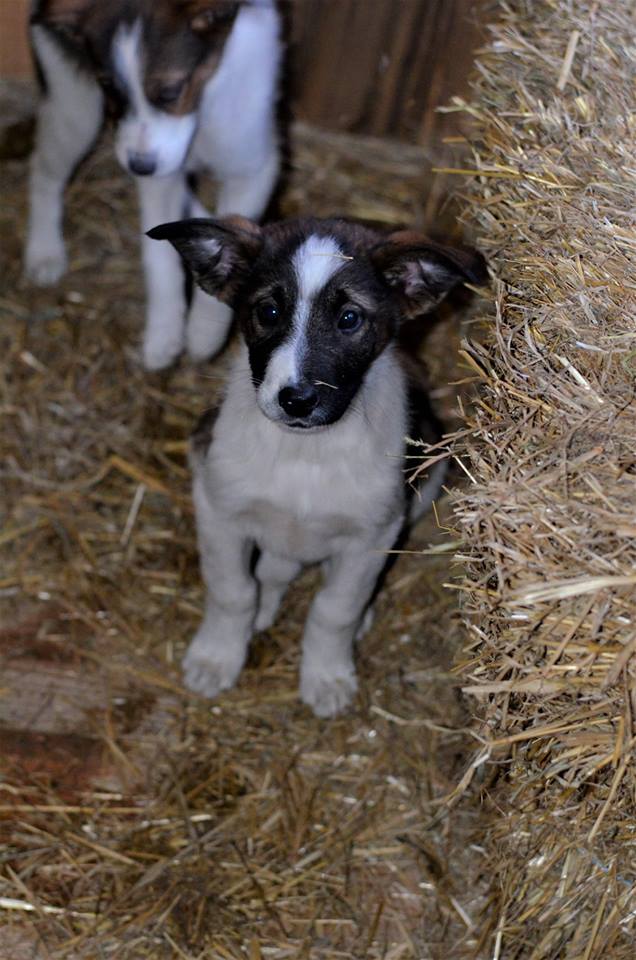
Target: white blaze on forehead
315,262
127,53
146,129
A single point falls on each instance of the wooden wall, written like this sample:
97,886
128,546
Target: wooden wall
15,57
381,67
377,67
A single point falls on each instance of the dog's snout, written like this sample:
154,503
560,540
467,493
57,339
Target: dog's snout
298,401
142,164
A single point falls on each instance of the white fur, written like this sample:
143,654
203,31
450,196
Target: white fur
282,370
232,135
68,122
145,129
335,496
315,262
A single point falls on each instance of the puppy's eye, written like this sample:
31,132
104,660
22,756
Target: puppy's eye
350,320
168,94
268,314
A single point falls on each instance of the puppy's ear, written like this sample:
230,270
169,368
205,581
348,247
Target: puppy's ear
423,272
219,253
64,15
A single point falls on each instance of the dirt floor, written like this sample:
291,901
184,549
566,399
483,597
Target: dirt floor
136,819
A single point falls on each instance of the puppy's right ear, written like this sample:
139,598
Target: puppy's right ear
219,253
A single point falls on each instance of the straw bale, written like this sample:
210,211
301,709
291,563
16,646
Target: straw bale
548,517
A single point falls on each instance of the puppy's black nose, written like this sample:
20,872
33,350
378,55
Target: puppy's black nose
143,164
298,401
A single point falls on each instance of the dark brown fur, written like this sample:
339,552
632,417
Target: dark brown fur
183,41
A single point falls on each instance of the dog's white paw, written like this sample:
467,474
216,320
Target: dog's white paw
328,693
163,343
45,266
207,677
209,668
209,321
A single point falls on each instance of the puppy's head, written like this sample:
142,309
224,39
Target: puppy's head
317,301
152,59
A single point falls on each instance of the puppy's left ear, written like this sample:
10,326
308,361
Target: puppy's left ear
219,253
422,272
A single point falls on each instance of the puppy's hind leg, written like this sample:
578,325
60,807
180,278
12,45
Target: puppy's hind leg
427,491
69,118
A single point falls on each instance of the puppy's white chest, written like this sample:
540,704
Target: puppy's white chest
302,496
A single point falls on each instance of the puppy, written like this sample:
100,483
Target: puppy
192,86
305,460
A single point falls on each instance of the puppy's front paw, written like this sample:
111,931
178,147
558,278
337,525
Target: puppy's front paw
208,325
45,266
163,339
208,668
328,693
207,677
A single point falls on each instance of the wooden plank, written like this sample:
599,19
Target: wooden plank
15,55
68,720
381,67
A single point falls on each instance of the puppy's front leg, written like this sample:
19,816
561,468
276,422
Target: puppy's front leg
162,199
327,673
248,193
208,319
217,652
69,118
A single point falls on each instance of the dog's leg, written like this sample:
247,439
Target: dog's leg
327,673
218,650
274,575
162,199
69,119
209,320
248,194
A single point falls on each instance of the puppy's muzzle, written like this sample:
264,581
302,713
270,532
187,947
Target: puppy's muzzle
142,164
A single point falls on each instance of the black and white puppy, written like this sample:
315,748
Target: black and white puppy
305,459
192,86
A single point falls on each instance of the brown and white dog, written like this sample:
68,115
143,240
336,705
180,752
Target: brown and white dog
192,85
305,459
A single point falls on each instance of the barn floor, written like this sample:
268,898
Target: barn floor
136,819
